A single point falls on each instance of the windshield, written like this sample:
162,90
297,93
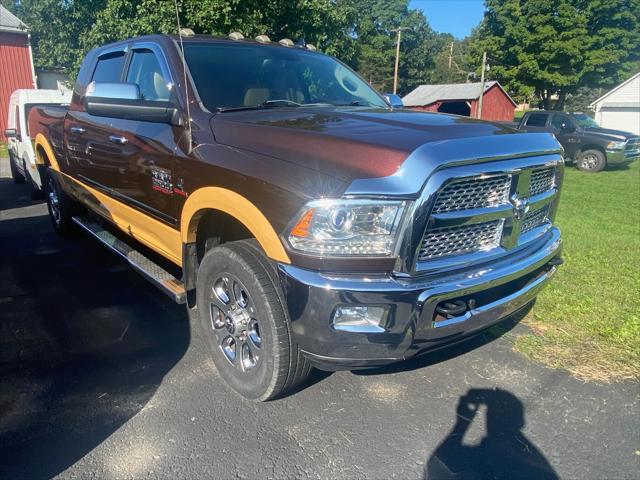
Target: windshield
585,121
229,76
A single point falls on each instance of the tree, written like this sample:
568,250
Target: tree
551,48
375,28
461,66
56,27
322,22
614,50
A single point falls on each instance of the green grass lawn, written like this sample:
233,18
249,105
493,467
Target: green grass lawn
588,320
3,150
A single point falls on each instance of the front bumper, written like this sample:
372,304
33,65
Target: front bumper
622,157
496,289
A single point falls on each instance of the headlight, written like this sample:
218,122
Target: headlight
347,227
616,145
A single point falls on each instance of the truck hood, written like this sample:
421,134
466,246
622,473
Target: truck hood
345,143
608,134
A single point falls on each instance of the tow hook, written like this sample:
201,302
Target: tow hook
556,261
452,308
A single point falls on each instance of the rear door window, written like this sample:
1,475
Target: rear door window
537,120
109,68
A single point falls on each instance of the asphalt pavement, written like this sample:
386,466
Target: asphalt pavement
101,376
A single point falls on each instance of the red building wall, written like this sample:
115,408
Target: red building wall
496,106
15,70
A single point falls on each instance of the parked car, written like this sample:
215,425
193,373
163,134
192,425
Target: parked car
585,143
19,143
302,219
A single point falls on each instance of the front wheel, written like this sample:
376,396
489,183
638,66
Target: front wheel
591,161
241,315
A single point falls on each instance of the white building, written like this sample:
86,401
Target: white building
619,108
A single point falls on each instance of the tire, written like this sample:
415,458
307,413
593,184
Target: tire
61,207
36,192
591,161
15,174
241,315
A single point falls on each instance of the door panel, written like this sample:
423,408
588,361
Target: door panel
130,160
567,133
84,132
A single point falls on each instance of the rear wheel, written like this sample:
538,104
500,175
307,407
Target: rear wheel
61,207
15,174
36,192
591,161
241,314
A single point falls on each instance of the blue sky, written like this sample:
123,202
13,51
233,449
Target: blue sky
457,17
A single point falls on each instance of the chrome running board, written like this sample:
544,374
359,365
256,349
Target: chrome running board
153,272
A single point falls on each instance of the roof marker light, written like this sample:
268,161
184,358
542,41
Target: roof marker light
263,39
236,36
286,42
186,32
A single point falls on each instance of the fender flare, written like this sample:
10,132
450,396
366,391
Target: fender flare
237,206
41,141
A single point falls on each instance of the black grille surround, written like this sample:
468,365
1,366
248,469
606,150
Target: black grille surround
474,216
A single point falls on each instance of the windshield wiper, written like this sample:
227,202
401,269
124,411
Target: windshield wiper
265,104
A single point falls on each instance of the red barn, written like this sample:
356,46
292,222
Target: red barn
16,64
463,99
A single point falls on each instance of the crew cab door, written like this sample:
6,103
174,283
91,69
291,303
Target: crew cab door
132,160
92,158
567,133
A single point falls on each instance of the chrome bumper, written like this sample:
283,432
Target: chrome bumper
622,157
501,287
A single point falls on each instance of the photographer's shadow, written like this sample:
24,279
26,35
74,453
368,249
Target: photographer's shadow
504,452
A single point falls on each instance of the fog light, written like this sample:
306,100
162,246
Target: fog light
361,318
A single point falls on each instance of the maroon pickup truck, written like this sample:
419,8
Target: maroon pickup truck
302,219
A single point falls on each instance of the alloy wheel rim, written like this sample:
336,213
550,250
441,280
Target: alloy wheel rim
590,162
234,322
54,201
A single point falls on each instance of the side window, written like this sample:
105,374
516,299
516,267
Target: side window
109,68
537,120
558,120
145,71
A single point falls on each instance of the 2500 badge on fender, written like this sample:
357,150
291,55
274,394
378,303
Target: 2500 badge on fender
303,219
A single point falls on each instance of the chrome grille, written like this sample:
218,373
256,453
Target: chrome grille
632,144
443,242
534,219
542,181
471,193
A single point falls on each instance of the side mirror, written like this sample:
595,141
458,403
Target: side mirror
394,100
11,133
123,100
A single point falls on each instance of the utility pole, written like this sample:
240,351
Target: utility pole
450,55
395,74
484,66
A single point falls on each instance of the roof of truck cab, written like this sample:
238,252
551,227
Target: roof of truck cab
26,95
201,38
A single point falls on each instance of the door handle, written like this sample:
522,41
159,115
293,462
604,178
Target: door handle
118,139
78,130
